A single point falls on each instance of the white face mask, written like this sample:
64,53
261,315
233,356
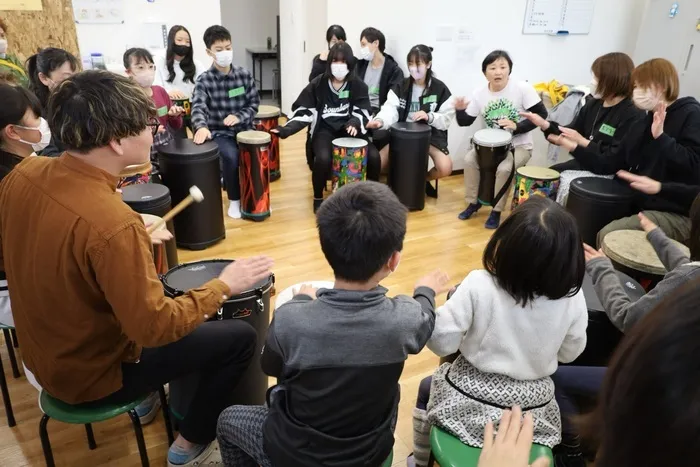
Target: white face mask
418,72
594,88
645,99
224,58
3,46
45,131
366,53
145,78
339,70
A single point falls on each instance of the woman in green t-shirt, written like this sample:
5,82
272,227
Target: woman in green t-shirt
9,63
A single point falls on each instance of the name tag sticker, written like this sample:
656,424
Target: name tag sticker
430,99
344,94
236,92
607,129
162,111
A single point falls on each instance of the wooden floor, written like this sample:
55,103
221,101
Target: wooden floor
436,239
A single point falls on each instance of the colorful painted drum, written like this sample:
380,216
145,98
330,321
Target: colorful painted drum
349,161
266,120
254,174
135,175
160,257
535,181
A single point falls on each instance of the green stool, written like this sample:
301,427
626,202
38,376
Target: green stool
449,451
79,415
389,460
11,343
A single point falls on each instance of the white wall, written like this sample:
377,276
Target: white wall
112,40
492,24
251,23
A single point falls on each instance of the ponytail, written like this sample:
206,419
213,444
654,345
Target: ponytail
45,62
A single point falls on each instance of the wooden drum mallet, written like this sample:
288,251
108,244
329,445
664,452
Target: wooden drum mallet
195,196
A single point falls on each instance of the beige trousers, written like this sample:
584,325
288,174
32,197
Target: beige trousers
472,175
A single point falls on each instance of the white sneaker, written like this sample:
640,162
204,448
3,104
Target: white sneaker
211,456
234,209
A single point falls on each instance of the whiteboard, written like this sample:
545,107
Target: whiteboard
558,16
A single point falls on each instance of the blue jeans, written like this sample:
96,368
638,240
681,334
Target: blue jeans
228,149
572,383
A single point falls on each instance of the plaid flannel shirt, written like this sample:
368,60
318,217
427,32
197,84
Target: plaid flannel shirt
218,95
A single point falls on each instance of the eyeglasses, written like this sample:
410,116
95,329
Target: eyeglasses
154,124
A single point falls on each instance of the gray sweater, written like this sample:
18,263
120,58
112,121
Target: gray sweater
623,312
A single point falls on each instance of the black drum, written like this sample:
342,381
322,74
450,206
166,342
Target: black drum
492,146
408,161
602,336
252,306
596,202
183,164
154,199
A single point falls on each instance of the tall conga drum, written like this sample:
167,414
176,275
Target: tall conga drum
153,199
349,161
254,174
160,258
251,306
602,336
408,162
596,202
535,181
492,146
135,174
183,164
267,119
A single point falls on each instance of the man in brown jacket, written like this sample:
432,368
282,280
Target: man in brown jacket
89,308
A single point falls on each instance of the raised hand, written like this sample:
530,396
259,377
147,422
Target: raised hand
511,446
243,274
461,103
590,253
641,183
657,125
646,223
438,281
537,120
202,135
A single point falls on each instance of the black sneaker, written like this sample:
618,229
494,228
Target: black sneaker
430,190
317,204
469,212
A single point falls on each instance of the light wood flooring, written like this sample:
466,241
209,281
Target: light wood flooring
436,239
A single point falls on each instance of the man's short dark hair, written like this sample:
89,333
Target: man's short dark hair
138,55
215,34
495,55
93,108
537,252
373,34
360,227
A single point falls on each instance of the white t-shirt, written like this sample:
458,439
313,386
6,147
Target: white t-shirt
414,106
497,335
162,74
516,97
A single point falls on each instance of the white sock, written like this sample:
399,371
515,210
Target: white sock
234,209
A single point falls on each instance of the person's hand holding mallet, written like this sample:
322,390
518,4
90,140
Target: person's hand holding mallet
195,196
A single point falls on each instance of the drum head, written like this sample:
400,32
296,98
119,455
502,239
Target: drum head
411,127
349,143
538,173
268,111
631,249
253,137
131,170
288,293
144,193
149,219
492,137
193,275
601,188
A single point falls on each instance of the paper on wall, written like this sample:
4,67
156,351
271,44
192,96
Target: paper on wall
32,5
98,11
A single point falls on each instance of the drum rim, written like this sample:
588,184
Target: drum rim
141,186
545,178
136,169
364,144
263,137
492,144
246,294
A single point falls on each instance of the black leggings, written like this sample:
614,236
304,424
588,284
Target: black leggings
322,145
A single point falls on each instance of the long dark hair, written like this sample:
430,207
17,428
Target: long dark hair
341,52
15,102
543,238
46,61
187,63
420,53
650,397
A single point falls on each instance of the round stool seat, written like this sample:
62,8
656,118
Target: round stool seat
78,415
631,249
449,451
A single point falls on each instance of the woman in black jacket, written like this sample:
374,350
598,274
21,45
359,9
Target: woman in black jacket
335,105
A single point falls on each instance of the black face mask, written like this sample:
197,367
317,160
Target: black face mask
181,50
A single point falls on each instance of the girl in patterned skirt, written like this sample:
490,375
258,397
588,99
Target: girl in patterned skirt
511,322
